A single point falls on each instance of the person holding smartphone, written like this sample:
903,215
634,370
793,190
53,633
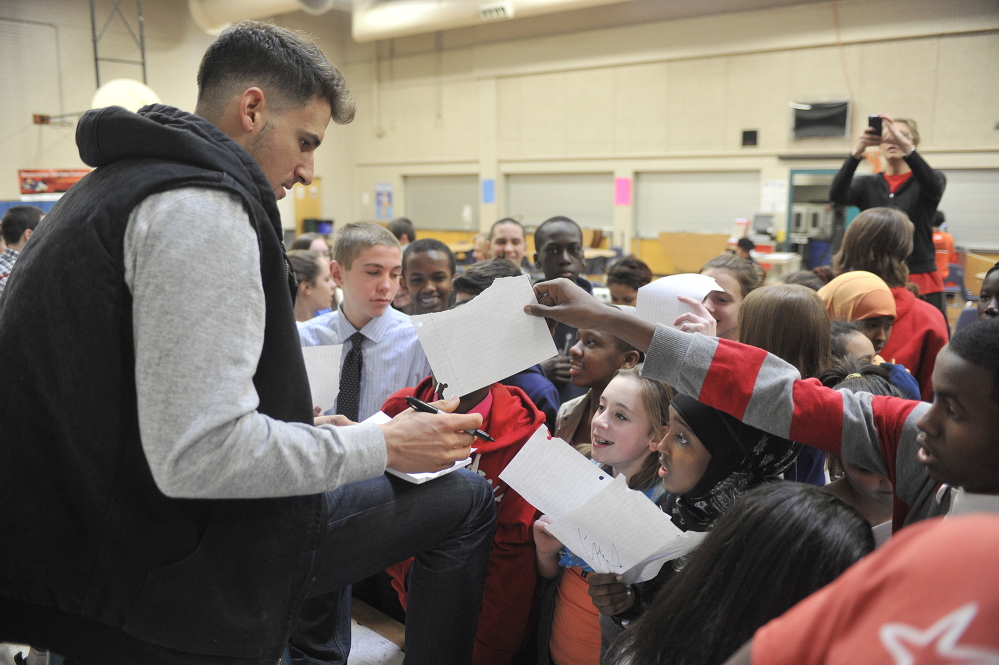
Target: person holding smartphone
907,183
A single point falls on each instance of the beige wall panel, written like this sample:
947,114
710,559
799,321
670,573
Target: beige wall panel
697,103
427,67
967,101
757,96
412,68
589,112
372,119
900,79
816,75
640,98
414,120
459,135
543,116
509,117
421,122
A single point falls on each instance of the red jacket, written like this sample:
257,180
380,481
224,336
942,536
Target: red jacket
510,580
919,333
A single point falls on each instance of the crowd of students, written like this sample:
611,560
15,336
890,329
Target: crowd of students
711,431
784,382
192,508
175,498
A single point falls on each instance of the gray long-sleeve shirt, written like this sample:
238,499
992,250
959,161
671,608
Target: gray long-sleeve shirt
192,264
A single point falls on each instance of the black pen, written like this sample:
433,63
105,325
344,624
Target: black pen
422,406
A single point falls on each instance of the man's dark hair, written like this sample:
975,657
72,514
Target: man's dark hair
939,219
17,220
505,220
288,68
401,225
480,276
541,234
428,245
746,244
978,343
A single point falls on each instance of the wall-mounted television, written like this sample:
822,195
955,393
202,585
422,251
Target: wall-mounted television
825,119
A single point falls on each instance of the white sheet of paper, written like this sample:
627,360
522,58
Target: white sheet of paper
657,301
620,531
486,340
380,418
612,528
322,364
531,473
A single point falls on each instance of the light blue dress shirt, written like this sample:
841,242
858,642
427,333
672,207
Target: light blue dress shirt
393,357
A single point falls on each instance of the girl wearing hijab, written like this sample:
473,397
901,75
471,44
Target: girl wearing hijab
878,241
707,460
865,299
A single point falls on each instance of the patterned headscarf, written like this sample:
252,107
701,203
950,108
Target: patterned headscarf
857,295
741,458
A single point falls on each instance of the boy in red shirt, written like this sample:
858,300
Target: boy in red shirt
509,416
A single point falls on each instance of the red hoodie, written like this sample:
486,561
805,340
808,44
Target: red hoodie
510,580
917,336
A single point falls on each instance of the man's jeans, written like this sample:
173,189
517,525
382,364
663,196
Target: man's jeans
447,524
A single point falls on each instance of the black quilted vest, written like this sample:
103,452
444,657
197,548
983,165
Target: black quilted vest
100,541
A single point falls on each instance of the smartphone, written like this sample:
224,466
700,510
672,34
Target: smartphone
874,121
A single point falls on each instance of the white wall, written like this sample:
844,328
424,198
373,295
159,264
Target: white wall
674,96
666,96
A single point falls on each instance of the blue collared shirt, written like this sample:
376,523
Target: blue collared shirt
393,357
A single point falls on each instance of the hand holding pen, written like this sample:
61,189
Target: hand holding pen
415,443
423,407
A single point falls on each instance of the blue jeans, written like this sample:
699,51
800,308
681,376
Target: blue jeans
446,524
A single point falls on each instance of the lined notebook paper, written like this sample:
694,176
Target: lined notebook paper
613,528
657,301
322,364
381,418
487,340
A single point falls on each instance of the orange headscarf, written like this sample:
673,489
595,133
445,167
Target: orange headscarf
857,295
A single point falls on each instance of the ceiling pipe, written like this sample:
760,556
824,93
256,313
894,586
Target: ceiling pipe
213,16
373,19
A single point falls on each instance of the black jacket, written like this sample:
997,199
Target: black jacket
105,548
918,198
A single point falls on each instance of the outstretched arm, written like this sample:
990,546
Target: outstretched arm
561,300
764,391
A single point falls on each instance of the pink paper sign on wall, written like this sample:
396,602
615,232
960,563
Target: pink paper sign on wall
622,191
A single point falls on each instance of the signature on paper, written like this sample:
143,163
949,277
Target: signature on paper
596,557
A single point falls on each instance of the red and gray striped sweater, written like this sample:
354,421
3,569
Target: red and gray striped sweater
874,432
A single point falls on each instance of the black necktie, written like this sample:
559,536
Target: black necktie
350,379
